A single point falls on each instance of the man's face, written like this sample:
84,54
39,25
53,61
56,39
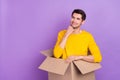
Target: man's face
76,20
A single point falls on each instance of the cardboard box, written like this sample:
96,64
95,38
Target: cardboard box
58,69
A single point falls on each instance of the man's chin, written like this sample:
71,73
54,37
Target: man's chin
75,27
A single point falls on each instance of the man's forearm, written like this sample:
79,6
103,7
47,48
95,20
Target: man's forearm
89,58
63,42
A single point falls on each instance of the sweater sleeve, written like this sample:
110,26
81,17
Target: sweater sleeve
94,49
58,51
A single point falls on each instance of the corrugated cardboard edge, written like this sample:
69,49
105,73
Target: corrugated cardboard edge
86,67
58,66
48,52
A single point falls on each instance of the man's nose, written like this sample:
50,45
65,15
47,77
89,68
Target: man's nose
74,20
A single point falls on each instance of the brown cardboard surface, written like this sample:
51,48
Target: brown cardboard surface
86,67
88,76
72,73
58,66
77,75
58,69
48,52
66,76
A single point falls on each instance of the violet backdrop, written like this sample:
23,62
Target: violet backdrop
28,26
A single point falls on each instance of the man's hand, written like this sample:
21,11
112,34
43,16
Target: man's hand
63,42
73,58
69,30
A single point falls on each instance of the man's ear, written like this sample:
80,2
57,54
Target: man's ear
83,22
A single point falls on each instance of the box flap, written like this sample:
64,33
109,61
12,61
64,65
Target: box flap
48,52
58,66
86,67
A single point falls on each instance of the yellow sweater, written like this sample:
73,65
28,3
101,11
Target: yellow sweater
76,45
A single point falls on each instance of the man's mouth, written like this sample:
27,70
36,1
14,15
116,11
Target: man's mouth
74,23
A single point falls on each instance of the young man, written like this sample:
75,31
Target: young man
74,43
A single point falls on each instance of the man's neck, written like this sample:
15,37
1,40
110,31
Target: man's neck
76,31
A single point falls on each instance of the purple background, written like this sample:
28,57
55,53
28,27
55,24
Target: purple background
28,26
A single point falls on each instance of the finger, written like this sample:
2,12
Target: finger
68,60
